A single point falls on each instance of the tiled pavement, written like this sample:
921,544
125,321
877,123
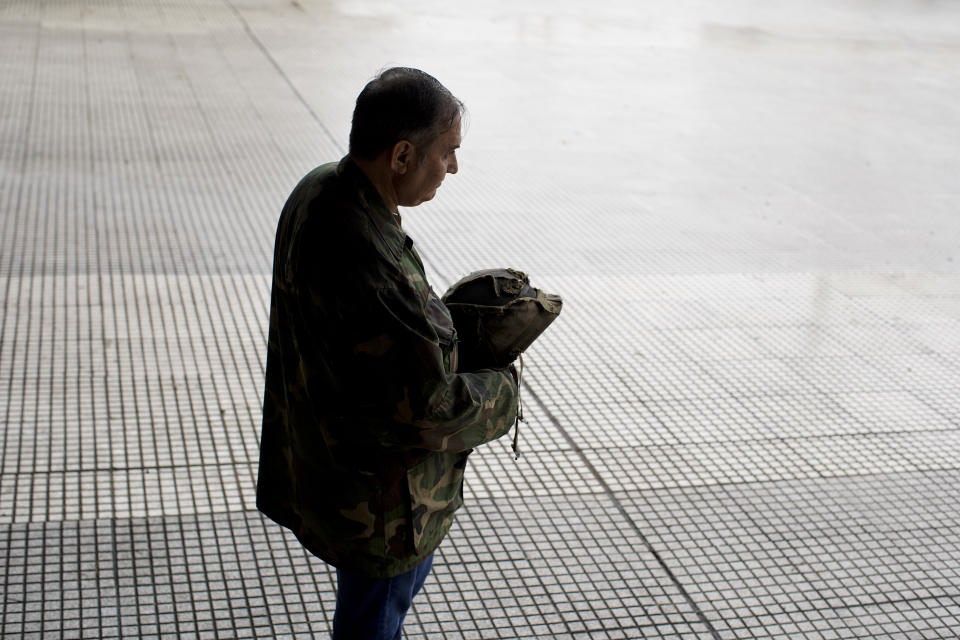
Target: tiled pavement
746,424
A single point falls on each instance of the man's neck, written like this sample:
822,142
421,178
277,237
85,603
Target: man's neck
381,177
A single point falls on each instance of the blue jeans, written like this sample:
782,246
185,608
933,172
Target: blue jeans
374,608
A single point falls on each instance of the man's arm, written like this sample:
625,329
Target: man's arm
441,411
373,369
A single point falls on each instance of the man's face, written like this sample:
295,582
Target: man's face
422,181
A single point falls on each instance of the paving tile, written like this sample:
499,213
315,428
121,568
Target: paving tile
744,425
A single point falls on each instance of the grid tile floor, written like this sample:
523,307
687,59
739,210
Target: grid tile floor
746,423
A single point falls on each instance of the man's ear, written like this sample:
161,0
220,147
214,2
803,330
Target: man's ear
402,156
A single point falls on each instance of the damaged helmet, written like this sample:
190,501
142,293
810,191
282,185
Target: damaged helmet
497,315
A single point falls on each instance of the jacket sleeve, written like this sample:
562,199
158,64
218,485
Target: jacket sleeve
437,410
393,390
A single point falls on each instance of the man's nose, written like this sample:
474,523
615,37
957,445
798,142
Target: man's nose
452,165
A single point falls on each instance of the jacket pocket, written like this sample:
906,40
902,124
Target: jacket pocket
436,492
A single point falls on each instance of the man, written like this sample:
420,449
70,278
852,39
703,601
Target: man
367,423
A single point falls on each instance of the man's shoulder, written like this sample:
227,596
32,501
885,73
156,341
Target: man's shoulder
326,197
334,217
324,181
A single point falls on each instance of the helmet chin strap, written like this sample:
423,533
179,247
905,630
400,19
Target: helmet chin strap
516,424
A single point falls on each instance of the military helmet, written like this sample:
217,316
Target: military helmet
497,315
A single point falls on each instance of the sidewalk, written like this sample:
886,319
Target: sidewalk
745,424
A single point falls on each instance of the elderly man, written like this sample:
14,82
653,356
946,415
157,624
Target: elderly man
367,423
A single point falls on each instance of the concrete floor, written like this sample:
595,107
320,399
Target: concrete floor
745,424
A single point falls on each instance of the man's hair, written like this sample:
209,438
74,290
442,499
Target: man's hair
401,104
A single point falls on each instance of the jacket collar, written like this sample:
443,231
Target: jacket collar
386,222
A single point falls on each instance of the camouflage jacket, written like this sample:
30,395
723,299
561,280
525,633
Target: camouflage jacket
366,423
